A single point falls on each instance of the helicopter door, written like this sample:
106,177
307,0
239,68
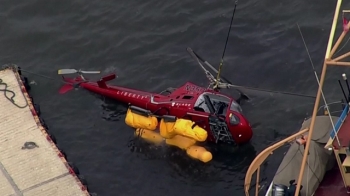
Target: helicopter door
219,130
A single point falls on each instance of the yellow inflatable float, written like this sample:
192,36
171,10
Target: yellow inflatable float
182,133
140,119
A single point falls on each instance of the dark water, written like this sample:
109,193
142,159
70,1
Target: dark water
144,42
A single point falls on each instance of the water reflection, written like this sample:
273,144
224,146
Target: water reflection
112,110
229,163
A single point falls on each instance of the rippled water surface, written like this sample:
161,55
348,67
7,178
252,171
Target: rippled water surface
145,42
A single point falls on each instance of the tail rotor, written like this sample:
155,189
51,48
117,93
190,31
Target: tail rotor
73,83
74,71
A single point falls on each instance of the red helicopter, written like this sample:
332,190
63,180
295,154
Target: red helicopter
220,115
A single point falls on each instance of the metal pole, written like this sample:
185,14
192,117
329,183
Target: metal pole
318,97
347,83
342,89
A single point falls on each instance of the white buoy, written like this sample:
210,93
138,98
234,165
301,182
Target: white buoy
344,76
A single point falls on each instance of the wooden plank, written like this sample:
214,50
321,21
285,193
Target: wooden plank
62,186
5,186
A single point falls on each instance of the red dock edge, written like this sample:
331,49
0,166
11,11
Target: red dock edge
43,130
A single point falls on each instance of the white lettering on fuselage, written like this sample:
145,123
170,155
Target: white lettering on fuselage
133,95
183,104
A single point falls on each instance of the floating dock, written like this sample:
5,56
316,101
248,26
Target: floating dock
30,162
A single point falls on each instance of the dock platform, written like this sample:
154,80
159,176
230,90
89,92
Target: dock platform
30,162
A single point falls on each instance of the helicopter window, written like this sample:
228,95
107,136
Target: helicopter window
212,103
234,120
208,102
221,108
235,107
198,109
187,97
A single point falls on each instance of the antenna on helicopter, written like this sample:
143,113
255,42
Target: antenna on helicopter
79,72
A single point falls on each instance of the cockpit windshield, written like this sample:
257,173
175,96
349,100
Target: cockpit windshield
235,107
214,103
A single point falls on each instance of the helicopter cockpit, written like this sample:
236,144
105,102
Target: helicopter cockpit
222,116
216,104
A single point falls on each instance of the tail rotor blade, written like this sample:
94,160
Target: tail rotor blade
67,71
90,72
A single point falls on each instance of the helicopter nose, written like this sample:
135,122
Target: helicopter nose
242,132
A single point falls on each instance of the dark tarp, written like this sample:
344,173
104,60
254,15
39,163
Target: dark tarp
319,160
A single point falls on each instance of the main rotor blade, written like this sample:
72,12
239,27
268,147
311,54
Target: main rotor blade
271,91
208,64
67,71
90,72
209,75
244,87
